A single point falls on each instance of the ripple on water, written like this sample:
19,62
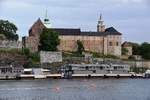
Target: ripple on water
78,89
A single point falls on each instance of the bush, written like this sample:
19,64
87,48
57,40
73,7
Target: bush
72,54
26,51
35,57
138,69
80,48
100,55
124,51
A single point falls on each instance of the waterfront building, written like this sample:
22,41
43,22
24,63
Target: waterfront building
106,41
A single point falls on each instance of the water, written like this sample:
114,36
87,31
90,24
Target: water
76,89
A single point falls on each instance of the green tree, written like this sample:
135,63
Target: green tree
8,29
49,40
26,51
124,51
80,48
145,50
135,49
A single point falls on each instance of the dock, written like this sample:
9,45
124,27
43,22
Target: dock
40,76
107,75
73,76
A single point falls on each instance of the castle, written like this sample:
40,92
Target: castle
104,40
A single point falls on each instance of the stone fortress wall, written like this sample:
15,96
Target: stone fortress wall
10,44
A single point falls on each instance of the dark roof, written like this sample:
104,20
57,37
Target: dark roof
67,31
93,33
112,31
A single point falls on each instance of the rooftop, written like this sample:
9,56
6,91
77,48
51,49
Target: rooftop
71,31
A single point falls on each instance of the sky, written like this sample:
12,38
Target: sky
130,17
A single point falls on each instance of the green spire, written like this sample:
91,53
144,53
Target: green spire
46,20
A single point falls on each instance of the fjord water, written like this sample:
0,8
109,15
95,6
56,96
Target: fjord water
75,89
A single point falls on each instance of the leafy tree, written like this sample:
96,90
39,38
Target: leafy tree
145,50
35,57
124,51
135,48
8,29
80,48
26,51
49,40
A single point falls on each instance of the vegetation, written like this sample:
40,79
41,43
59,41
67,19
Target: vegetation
49,40
124,51
136,49
100,55
95,54
8,29
26,51
28,64
143,50
138,69
34,57
72,54
80,48
10,51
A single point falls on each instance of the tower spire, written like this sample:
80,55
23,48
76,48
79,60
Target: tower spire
100,17
100,25
46,14
46,20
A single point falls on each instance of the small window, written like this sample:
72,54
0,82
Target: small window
110,43
87,68
117,43
101,68
115,68
94,71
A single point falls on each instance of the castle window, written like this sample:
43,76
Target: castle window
110,43
117,43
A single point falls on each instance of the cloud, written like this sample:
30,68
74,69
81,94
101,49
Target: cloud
129,16
1,2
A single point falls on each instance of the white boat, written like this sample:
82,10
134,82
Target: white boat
147,74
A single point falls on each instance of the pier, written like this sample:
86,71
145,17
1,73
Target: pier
74,76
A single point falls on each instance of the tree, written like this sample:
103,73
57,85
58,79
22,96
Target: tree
49,40
80,48
124,51
135,49
8,29
145,50
26,51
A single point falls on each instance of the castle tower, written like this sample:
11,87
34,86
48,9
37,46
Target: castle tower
100,25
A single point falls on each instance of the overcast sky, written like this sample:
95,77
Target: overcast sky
130,17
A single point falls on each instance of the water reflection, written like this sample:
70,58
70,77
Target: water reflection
77,89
